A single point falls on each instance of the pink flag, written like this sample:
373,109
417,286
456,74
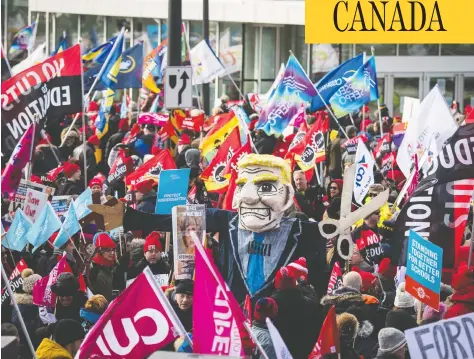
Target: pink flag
42,293
218,324
20,157
136,324
335,280
416,179
299,118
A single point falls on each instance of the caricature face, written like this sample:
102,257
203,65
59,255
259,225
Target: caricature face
262,195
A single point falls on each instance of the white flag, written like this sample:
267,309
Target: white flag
37,56
432,122
364,172
206,65
279,345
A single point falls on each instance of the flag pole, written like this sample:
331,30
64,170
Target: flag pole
255,340
372,49
33,35
35,118
43,134
84,141
99,75
331,113
15,304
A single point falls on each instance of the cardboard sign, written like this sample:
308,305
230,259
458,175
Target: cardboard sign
20,195
172,190
34,203
446,339
161,279
424,265
60,205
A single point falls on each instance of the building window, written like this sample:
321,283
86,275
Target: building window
66,24
457,50
251,52
292,39
418,50
380,50
468,93
41,31
92,31
268,57
148,31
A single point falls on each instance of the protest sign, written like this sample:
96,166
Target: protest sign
161,279
156,119
15,279
424,265
20,195
446,339
172,190
171,355
186,219
60,205
34,203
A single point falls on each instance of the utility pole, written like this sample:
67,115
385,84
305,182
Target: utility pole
174,32
205,36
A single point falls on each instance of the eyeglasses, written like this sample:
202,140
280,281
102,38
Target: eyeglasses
334,188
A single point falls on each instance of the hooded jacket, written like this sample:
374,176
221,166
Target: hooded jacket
147,203
30,315
49,349
342,298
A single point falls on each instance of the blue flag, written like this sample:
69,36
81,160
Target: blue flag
294,90
335,79
360,89
112,68
101,122
81,203
98,54
130,75
61,47
70,227
16,237
172,190
46,224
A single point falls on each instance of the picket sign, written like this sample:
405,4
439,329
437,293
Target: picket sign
34,203
447,339
161,279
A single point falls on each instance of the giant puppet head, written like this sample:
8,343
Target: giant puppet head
264,192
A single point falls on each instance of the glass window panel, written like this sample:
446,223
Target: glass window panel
468,98
373,106
250,86
292,38
418,49
230,47
457,50
404,87
92,31
146,30
446,86
269,66
195,33
251,53
115,24
17,18
66,23
380,50
52,40
41,31
324,58
226,87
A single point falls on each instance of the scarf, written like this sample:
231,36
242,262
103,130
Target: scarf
99,259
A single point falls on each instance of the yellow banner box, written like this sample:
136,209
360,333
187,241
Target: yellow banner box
389,22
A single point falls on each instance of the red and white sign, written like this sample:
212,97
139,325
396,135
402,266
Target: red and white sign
34,203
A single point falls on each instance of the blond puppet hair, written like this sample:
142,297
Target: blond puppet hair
267,161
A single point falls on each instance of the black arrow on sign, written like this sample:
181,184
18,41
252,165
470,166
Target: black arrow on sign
183,77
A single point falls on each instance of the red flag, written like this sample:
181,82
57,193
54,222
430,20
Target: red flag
213,175
81,280
133,326
168,131
194,123
248,309
328,340
42,293
15,279
335,280
132,136
383,146
54,173
152,168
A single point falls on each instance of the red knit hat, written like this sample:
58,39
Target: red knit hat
366,109
283,280
123,125
36,179
265,308
70,169
103,240
339,183
463,277
93,107
387,269
368,279
298,269
95,182
184,140
94,140
152,242
145,186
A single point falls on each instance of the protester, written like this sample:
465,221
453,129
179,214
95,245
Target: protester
462,301
91,161
392,344
152,251
307,198
117,138
67,339
145,196
70,299
72,186
348,327
57,254
402,316
102,272
264,308
93,309
181,299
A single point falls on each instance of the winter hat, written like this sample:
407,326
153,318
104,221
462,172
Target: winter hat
353,280
123,125
403,299
463,277
390,340
145,186
298,269
29,280
368,279
93,107
152,242
95,182
97,304
103,240
283,280
185,286
184,139
94,140
338,182
347,325
193,158
70,169
400,319
387,269
66,285
265,308
67,331
431,314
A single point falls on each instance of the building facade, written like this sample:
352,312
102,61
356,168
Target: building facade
253,37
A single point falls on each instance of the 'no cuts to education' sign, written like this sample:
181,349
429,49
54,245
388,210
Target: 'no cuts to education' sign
424,264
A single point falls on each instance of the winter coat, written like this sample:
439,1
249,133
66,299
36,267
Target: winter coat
72,311
70,188
296,309
49,349
42,262
47,160
54,259
91,163
101,280
463,302
160,267
262,334
186,317
30,315
265,144
147,203
115,139
142,146
334,161
181,157
400,319
310,202
342,298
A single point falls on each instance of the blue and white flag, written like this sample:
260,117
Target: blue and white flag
81,203
70,227
206,65
364,177
360,89
294,90
16,237
46,224
335,79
